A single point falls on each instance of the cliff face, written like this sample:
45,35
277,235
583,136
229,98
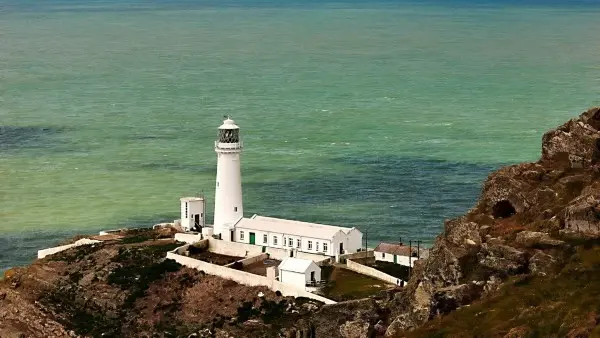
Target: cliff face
526,222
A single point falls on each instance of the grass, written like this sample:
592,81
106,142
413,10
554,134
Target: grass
550,306
344,284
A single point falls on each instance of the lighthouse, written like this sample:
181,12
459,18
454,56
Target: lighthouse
228,191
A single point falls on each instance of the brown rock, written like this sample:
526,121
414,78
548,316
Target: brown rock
355,329
529,239
518,332
541,263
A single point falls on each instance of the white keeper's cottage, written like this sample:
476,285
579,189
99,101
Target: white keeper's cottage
231,225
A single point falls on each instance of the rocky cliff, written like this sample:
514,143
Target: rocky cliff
524,261
528,221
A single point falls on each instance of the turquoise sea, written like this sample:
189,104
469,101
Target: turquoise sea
385,115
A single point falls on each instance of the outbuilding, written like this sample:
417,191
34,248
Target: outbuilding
397,253
299,272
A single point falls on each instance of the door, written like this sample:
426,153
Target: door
312,276
395,259
197,221
341,248
252,238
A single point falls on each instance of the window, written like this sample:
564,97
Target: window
309,245
291,242
298,243
324,247
283,241
186,209
217,184
241,235
274,240
265,239
317,246
234,208
383,255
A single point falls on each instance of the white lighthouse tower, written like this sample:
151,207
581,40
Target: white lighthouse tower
228,194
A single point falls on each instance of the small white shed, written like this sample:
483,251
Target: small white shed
299,272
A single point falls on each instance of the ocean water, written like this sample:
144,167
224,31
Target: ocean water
384,115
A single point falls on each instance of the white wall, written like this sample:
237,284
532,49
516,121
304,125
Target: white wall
50,251
369,271
293,278
245,278
401,260
188,238
250,260
259,236
194,207
355,241
242,249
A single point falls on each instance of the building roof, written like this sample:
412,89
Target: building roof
191,199
291,227
294,223
395,249
295,264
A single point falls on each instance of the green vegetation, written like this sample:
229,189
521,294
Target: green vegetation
550,306
344,284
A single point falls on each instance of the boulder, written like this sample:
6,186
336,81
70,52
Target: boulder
583,214
355,329
530,239
541,263
502,259
574,144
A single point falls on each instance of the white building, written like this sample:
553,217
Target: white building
298,236
299,272
398,253
192,213
230,225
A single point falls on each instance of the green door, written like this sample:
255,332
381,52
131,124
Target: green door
252,238
395,257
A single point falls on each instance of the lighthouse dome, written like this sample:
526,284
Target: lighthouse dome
229,132
229,124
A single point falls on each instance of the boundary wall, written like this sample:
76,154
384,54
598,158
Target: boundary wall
372,272
50,251
245,278
250,260
245,250
188,238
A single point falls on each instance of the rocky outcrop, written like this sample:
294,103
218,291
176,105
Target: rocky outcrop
512,230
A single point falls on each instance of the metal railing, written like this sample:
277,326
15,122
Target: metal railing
228,146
